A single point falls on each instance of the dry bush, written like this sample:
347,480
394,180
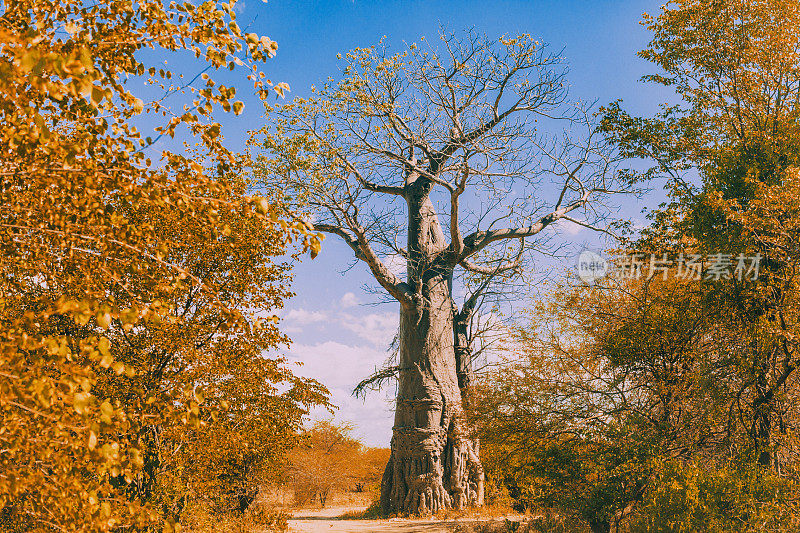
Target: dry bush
258,517
495,511
546,522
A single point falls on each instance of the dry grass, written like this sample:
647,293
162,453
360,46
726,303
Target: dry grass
543,522
284,498
487,511
258,517
372,512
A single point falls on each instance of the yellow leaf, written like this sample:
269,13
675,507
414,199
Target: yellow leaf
80,402
282,88
103,319
97,94
106,412
315,246
29,60
104,346
106,361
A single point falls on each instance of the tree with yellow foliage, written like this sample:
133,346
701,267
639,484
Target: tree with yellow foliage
115,279
691,384
623,393
326,461
736,67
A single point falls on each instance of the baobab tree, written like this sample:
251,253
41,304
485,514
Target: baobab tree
373,158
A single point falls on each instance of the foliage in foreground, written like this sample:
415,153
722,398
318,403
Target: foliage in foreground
545,521
739,496
687,387
201,519
629,390
128,339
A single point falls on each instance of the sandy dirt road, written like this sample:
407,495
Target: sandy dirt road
313,520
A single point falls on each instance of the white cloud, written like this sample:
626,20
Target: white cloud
377,328
570,227
349,300
362,339
303,317
372,418
340,367
335,364
396,264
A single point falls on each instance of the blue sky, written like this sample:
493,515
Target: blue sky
337,335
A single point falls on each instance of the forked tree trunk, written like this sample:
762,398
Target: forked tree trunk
434,462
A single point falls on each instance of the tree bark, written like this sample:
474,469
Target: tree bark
463,353
434,463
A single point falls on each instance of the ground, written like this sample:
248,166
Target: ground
321,520
312,518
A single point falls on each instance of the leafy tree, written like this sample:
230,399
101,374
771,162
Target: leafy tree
732,497
372,463
91,281
690,384
615,383
254,426
378,154
735,66
326,462
565,425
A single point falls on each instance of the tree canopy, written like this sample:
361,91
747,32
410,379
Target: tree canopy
684,386
127,282
453,129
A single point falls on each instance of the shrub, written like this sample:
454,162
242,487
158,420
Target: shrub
739,496
200,518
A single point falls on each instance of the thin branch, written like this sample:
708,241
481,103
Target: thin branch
479,240
363,251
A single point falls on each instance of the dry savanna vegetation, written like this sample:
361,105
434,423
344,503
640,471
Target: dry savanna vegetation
143,262
137,284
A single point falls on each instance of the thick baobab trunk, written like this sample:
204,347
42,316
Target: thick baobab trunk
434,463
